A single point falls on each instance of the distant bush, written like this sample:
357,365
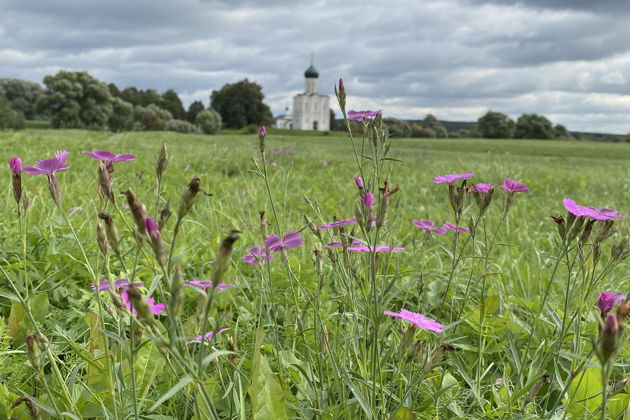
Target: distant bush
419,131
432,123
181,126
9,118
23,95
209,121
397,128
561,132
122,115
151,117
495,125
533,126
194,109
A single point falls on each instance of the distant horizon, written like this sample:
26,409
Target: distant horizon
455,59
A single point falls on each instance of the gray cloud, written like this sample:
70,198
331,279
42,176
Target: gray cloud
567,59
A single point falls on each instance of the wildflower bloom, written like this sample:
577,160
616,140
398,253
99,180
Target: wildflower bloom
206,337
381,248
362,115
255,255
262,131
602,213
482,188
155,308
337,223
205,285
368,200
106,285
109,157
339,244
512,186
439,179
427,225
418,320
359,181
458,229
608,300
289,241
49,166
151,227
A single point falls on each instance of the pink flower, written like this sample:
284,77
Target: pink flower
152,228
359,181
337,224
457,229
205,285
602,213
362,115
156,309
257,254
15,163
381,248
262,131
341,85
437,179
418,320
105,285
339,244
274,164
608,300
512,186
49,166
207,336
482,188
107,156
428,226
289,241
368,200
324,163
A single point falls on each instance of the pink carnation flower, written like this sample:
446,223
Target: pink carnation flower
155,308
438,179
482,188
337,224
418,320
289,241
427,225
205,285
362,115
255,255
206,337
608,300
49,166
602,213
512,186
457,229
107,156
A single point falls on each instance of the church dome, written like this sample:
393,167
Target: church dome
311,73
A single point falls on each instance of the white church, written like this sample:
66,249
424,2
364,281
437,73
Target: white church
311,111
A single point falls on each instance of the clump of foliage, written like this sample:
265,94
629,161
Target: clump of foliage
241,104
181,126
209,121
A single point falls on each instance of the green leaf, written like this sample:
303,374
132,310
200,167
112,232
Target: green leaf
171,392
617,405
585,393
149,363
403,413
19,324
492,305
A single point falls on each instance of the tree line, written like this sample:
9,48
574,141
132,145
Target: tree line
79,100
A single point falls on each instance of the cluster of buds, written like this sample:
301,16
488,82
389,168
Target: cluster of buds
53,187
110,231
161,164
583,229
141,306
340,93
262,134
189,197
363,210
457,197
138,210
33,342
386,193
483,196
612,325
101,238
155,238
621,250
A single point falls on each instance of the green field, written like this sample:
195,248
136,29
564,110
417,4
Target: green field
307,351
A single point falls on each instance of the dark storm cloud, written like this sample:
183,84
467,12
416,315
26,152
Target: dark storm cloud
454,58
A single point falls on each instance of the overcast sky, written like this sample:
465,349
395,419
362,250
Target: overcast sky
567,59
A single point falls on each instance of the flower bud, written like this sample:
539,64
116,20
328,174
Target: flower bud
111,232
222,260
605,231
153,231
368,200
262,133
359,181
101,239
53,187
586,233
610,338
139,303
104,183
340,93
15,163
162,163
312,226
189,197
165,214
34,352
561,225
233,347
178,292
25,202
138,210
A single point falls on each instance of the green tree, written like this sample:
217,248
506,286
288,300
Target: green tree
495,125
131,95
333,121
241,104
23,95
561,132
434,125
113,90
397,128
9,117
533,126
151,117
194,109
122,115
76,100
171,102
150,97
209,121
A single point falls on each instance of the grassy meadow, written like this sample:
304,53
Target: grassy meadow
307,338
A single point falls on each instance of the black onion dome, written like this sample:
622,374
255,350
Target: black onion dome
311,72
